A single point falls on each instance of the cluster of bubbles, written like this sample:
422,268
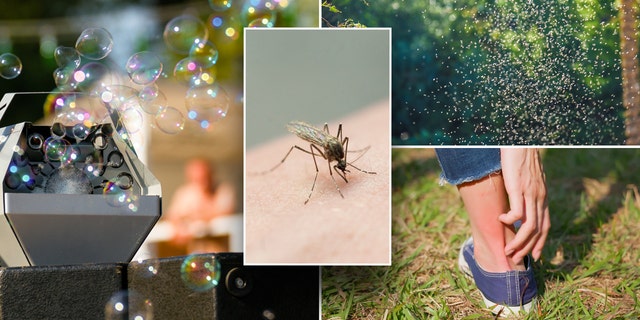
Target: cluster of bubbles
521,72
199,273
72,160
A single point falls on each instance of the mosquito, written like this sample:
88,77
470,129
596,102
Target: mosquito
323,144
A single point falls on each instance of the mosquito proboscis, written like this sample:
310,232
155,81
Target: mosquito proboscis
323,144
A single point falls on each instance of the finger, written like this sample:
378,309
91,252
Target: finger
523,238
516,202
544,231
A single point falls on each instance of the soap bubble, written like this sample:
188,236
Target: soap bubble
128,304
119,97
260,10
131,118
152,100
260,23
200,272
94,43
220,5
10,66
62,78
118,192
182,32
55,148
80,131
207,104
144,67
92,78
67,57
204,52
187,69
170,120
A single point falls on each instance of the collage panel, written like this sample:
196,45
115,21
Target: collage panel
318,150
587,268
506,72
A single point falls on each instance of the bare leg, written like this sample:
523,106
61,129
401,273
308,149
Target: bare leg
485,200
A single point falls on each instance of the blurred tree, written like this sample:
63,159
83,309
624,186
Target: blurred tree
629,57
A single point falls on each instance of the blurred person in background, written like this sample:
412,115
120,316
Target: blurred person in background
196,205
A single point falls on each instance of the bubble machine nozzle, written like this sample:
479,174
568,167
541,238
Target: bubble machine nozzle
72,193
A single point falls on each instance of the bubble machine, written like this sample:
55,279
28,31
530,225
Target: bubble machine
73,192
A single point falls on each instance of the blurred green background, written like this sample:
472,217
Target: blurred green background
496,71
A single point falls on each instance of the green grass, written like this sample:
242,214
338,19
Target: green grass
590,267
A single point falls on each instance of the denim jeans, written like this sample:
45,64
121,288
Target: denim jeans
460,165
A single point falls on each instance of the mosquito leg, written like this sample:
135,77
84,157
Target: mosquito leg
311,146
281,161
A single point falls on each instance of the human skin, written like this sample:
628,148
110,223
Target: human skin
526,188
281,229
497,201
485,200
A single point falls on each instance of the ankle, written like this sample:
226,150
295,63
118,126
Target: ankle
494,260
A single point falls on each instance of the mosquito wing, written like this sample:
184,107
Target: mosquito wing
309,133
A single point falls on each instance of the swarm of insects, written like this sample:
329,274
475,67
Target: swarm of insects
323,144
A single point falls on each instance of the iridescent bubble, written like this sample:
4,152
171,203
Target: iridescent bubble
170,120
10,66
204,52
92,78
182,32
128,305
73,116
187,69
132,119
260,10
67,57
220,5
71,155
62,78
116,196
117,307
80,131
94,43
200,272
93,167
144,67
260,23
204,78
207,104
54,149
119,97
152,100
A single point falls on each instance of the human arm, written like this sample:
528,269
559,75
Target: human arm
527,192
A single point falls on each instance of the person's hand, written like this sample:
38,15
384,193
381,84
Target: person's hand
525,185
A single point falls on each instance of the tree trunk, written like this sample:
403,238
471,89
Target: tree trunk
629,59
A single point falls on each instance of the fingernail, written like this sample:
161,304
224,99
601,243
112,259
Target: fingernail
509,252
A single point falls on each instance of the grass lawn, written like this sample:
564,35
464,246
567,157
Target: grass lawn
590,268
